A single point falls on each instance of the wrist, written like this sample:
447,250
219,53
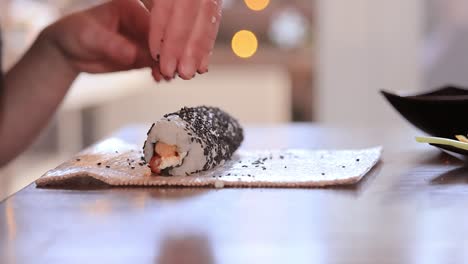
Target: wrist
47,47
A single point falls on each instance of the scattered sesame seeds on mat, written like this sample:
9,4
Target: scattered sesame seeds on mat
116,163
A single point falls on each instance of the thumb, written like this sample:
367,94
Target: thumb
112,45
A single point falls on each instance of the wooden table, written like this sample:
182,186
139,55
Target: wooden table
412,208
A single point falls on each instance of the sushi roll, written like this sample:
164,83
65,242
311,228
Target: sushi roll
191,140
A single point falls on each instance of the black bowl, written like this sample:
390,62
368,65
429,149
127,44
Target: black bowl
440,113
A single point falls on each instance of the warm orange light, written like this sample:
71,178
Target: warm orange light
257,5
244,44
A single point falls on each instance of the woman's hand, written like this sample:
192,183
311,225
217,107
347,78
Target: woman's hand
107,38
182,35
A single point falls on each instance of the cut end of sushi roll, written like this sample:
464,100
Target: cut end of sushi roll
191,140
167,146
165,156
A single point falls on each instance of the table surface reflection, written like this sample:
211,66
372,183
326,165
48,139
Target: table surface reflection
411,208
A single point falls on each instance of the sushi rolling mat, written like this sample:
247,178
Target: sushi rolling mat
116,163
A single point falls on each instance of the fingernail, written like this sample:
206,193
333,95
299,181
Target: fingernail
156,75
170,68
188,68
204,64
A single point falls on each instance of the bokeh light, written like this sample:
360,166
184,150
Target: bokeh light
257,5
244,44
289,29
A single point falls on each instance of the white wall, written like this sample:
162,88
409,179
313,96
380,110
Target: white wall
365,46
446,48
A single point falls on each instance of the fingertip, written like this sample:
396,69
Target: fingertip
203,68
185,76
156,74
187,68
168,67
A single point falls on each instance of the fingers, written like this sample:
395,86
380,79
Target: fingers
134,19
204,35
182,35
203,67
156,74
159,18
176,37
103,42
118,32
143,58
211,33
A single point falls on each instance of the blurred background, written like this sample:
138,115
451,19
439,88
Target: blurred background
261,70
275,61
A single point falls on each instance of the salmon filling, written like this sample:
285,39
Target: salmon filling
165,156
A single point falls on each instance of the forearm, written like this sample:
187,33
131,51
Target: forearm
34,88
